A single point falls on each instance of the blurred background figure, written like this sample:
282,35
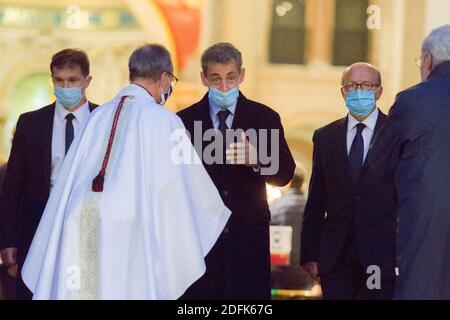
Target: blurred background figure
7,284
287,213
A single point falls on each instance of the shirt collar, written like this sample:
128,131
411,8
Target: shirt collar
370,121
136,91
215,109
80,114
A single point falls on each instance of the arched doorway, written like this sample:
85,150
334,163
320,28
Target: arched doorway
29,93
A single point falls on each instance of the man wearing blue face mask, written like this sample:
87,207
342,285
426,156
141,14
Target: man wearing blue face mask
40,143
238,267
346,232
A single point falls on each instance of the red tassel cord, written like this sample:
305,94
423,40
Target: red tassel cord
99,181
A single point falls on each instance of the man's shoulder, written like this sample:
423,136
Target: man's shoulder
36,116
330,128
92,106
39,112
258,108
417,93
191,110
155,113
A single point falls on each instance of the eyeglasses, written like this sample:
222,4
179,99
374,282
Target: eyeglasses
352,86
174,80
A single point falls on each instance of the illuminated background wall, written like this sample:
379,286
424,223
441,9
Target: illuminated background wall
294,50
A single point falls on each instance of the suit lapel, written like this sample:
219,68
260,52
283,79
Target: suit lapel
204,114
241,115
381,118
47,129
340,140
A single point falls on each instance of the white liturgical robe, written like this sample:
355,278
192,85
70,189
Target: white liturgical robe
146,235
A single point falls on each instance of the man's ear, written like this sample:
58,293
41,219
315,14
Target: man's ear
429,61
204,79
88,81
378,93
242,76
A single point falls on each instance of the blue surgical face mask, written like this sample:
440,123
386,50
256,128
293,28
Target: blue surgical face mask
68,97
224,100
360,103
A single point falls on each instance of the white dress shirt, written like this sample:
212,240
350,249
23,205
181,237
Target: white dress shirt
59,134
214,110
367,133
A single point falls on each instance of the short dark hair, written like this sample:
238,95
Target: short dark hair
223,53
149,61
71,58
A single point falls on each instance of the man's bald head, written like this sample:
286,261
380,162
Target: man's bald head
360,72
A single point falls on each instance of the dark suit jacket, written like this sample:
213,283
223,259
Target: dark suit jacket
27,182
413,150
349,207
238,267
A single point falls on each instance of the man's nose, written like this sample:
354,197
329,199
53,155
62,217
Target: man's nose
65,84
224,86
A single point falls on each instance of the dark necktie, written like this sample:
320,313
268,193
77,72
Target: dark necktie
69,131
356,155
223,116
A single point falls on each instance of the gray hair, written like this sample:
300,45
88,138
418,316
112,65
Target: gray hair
149,61
438,44
222,53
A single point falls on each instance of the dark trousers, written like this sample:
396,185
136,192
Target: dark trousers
8,285
230,267
348,279
216,283
23,293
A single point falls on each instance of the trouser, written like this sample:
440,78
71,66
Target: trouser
348,280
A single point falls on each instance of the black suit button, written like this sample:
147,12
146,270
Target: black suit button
226,230
225,193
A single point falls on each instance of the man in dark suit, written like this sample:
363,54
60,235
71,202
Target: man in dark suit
346,231
413,151
238,267
41,140
288,211
7,283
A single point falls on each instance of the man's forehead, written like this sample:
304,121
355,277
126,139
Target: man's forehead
74,71
222,69
361,73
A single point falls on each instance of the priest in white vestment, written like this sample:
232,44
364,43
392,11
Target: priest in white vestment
126,219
